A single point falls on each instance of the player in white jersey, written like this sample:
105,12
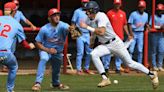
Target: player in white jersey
111,43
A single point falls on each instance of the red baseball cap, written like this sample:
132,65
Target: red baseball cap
1,13
142,3
160,7
16,2
84,0
10,5
117,1
53,11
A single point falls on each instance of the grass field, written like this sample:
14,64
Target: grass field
88,83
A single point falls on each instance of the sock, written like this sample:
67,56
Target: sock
150,74
103,75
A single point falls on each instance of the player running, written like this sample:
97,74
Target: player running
111,43
9,29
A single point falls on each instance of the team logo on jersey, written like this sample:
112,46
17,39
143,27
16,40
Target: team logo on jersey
121,15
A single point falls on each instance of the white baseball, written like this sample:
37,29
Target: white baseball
115,81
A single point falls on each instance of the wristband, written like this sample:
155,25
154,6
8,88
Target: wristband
91,28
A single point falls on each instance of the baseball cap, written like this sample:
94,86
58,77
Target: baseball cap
117,1
160,7
142,3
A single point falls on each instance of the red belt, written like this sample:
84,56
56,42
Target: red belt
3,50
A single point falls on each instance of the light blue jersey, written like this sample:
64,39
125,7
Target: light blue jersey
138,21
53,37
159,21
79,15
19,16
9,29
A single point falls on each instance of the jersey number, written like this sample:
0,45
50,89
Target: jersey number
7,28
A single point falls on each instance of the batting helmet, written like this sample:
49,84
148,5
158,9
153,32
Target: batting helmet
53,11
92,6
160,7
10,5
84,1
16,2
117,2
1,13
142,3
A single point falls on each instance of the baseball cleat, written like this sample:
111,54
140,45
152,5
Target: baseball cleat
36,87
155,69
60,86
161,69
155,81
104,82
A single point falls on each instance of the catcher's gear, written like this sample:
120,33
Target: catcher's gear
53,11
75,32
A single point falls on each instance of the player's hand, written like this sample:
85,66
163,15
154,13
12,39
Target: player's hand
130,37
83,24
32,46
52,51
33,27
72,27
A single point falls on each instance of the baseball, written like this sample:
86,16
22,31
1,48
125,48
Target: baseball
115,81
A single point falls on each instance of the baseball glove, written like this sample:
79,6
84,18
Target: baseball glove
75,33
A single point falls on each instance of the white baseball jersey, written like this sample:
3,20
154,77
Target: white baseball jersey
101,20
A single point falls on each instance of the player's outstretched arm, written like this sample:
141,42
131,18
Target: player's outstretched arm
98,31
48,50
27,45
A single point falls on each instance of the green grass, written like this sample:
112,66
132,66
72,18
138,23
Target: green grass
88,83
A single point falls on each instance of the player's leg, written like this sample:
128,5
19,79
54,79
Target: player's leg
87,56
98,52
132,46
140,47
118,63
80,53
119,49
44,58
154,42
106,62
12,65
56,62
161,53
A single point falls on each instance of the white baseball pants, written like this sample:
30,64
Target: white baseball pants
117,48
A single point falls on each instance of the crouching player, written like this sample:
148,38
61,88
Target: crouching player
50,41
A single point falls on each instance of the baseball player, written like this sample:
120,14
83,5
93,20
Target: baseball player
137,21
111,43
18,15
9,28
1,13
158,39
82,42
50,41
118,20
